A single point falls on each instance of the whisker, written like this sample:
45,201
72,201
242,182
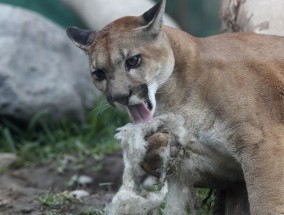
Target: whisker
102,106
107,107
161,77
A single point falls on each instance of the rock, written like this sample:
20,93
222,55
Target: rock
98,13
79,194
6,159
84,180
40,69
259,16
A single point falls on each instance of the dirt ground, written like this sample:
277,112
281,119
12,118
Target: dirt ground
21,189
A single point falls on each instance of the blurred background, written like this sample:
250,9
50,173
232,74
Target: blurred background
54,125
47,98
198,17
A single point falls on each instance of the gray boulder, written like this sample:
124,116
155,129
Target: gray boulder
40,69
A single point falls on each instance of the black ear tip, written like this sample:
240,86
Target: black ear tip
79,36
150,14
71,31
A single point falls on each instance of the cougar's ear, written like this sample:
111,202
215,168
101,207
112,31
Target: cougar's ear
80,37
154,18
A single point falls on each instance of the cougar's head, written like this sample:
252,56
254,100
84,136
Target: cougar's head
129,60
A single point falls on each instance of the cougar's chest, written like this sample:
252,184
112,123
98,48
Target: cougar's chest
211,147
214,148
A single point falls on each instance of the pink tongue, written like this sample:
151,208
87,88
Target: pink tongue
139,113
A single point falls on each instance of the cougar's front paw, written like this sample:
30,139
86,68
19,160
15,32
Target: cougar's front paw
154,160
163,137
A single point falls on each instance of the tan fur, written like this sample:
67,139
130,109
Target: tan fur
230,90
235,82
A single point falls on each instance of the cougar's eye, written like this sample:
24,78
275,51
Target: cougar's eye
133,62
99,75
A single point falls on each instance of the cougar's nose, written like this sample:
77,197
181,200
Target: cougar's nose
120,98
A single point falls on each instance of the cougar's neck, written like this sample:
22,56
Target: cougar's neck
176,91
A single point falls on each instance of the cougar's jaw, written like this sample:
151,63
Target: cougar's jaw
141,112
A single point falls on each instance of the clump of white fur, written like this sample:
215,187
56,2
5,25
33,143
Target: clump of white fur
134,146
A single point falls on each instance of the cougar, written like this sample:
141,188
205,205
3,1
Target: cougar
229,88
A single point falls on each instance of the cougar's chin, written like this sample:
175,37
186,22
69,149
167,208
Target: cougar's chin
141,113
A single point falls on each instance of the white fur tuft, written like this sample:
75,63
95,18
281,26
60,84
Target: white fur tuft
176,192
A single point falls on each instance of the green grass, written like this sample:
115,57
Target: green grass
53,201
62,203
42,141
207,198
